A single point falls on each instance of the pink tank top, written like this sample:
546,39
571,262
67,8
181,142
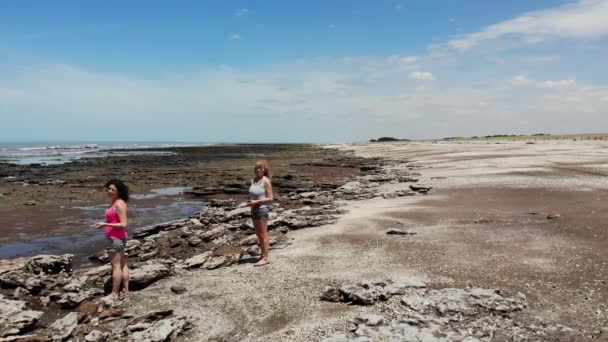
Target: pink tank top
114,233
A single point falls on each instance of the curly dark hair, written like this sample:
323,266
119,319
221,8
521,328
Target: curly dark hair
121,188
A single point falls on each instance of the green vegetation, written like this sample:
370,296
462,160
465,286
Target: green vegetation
384,139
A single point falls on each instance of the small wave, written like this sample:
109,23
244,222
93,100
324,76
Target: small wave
32,148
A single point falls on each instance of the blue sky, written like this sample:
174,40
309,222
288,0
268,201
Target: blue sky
315,71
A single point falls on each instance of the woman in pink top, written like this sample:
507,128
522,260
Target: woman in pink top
116,235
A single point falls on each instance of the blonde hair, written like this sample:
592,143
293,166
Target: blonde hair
267,171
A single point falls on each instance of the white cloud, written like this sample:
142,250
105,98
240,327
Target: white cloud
241,12
307,94
235,36
522,80
332,26
421,76
452,20
583,19
557,84
398,7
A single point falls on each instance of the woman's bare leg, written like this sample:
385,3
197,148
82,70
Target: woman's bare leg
261,230
125,273
116,274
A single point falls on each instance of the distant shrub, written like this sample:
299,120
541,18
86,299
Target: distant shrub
387,139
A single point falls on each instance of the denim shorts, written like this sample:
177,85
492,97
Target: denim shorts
259,214
115,245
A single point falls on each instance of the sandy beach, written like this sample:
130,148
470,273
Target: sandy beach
525,218
508,188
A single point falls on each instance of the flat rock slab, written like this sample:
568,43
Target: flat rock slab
399,231
50,264
463,302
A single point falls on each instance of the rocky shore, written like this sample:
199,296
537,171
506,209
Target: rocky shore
361,273
45,298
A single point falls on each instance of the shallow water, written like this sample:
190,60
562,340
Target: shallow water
69,228
172,191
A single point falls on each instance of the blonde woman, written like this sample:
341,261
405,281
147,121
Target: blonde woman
260,196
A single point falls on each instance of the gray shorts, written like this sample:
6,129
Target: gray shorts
115,245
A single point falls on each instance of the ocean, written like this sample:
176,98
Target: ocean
49,153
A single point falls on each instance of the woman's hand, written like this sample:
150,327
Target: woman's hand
99,224
251,203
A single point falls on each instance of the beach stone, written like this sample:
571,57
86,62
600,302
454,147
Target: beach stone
142,277
370,319
216,262
132,244
403,332
351,187
64,327
30,203
98,271
73,286
111,313
151,316
178,289
33,285
359,294
162,330
553,216
213,234
26,338
71,300
423,189
224,256
20,292
8,266
308,195
14,318
238,213
250,240
194,241
196,222
463,302
9,281
198,260
331,294
96,336
50,264
398,231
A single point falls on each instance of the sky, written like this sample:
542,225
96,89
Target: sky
300,71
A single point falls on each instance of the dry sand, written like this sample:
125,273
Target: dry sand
560,264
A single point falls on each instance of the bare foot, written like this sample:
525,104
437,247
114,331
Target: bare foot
262,262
